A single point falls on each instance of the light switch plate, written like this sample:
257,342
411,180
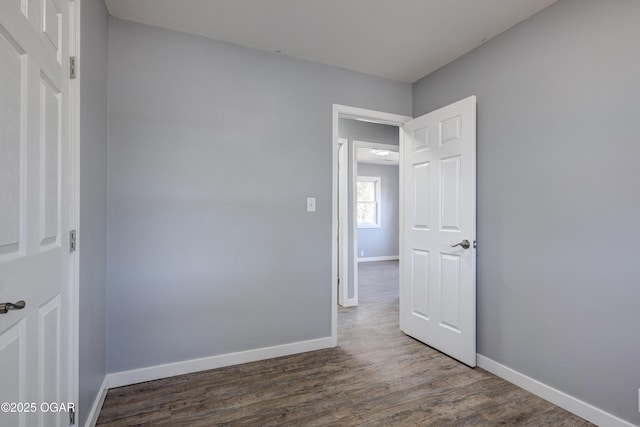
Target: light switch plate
311,204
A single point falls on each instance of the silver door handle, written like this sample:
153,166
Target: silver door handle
6,306
465,244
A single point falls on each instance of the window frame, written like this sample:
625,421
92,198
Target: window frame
378,200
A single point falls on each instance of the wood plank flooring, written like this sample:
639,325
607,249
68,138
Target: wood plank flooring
377,376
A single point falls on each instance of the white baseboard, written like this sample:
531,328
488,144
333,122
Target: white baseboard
92,419
119,379
350,302
557,397
379,258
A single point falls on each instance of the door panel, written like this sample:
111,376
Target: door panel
49,352
49,159
51,23
420,283
420,139
34,208
450,290
11,101
450,209
12,353
421,194
437,289
450,130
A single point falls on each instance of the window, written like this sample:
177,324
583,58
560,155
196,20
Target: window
368,202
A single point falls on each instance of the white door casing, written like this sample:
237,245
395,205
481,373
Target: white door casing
343,223
352,282
35,209
347,112
438,281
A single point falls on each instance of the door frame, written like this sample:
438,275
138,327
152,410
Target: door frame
343,219
73,284
362,114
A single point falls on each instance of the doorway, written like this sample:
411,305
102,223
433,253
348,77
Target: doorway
344,259
368,201
437,224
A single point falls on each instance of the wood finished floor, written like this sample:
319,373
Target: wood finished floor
377,376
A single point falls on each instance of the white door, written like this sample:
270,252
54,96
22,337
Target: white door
438,279
34,212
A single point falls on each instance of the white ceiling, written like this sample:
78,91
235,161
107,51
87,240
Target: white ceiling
401,40
368,155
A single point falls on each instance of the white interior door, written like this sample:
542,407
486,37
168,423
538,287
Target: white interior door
34,211
438,279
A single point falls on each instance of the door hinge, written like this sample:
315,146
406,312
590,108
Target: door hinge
72,67
72,416
72,241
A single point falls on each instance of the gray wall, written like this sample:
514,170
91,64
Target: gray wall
383,241
93,202
356,130
213,150
558,198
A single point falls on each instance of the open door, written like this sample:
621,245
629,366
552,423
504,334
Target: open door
35,208
438,273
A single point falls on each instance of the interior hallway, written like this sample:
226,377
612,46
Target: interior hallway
376,376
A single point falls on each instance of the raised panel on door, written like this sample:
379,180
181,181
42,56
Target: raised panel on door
13,354
421,195
450,130
49,160
12,76
51,24
420,283
450,291
421,139
450,188
49,351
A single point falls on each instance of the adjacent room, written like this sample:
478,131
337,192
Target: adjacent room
211,213
368,200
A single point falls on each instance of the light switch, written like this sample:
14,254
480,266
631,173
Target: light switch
311,204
